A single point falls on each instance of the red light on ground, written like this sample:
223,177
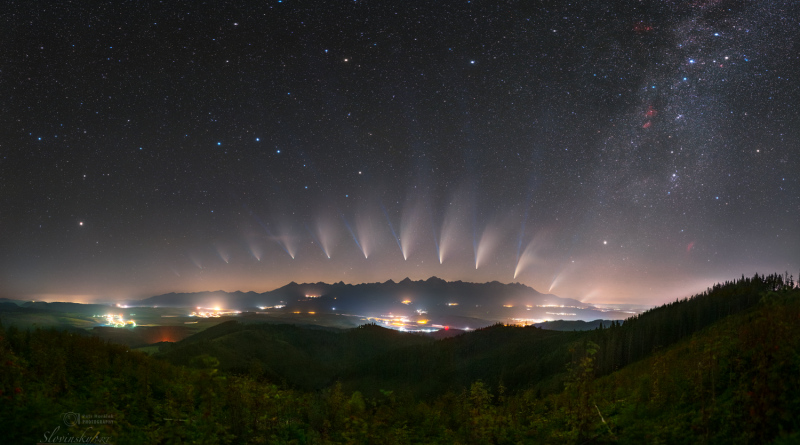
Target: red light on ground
447,328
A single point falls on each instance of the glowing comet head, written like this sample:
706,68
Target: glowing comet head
489,240
394,234
355,238
223,254
410,227
288,243
531,255
323,236
556,280
367,234
255,251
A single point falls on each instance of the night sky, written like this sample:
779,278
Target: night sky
617,151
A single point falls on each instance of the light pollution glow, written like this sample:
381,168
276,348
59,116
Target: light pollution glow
550,261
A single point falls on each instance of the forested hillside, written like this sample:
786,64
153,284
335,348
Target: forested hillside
722,367
300,357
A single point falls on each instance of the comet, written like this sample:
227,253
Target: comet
433,230
254,251
489,240
474,237
386,214
355,238
222,254
314,237
530,255
521,234
408,225
288,242
269,232
274,238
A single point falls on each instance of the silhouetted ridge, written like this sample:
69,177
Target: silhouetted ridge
372,299
641,334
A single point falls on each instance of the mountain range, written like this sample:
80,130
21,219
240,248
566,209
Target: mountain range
434,297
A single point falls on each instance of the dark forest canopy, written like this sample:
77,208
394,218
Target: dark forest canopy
720,367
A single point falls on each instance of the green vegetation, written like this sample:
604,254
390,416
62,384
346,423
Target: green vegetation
722,367
301,357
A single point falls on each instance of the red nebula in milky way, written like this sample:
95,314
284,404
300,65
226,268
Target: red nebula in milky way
651,112
641,27
689,247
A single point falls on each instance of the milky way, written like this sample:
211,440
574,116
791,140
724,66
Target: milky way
606,151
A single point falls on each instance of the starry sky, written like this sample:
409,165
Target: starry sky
610,151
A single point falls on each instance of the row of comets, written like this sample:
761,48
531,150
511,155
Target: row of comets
411,234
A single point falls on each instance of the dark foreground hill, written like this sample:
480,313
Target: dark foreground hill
371,358
302,357
573,325
722,367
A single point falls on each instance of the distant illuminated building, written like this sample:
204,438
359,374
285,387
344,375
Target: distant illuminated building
116,321
212,313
